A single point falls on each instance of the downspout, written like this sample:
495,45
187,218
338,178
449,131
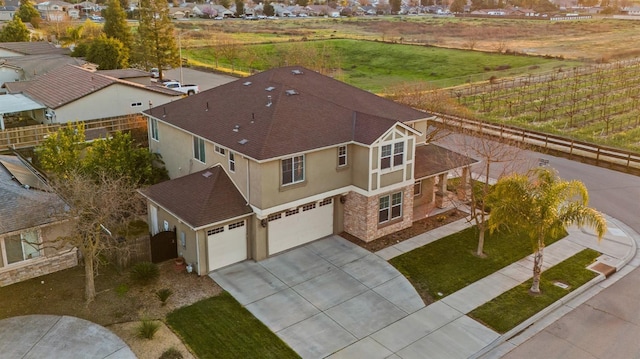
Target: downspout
248,184
197,255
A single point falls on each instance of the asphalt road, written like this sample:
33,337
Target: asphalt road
608,324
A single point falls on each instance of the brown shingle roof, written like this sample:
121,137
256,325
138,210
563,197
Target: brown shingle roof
33,48
201,198
320,112
432,159
69,83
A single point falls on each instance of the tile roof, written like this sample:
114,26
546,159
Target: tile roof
201,198
279,112
432,159
124,73
70,83
35,65
21,208
33,48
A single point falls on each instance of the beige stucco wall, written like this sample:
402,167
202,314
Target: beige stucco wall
359,162
176,148
114,100
321,175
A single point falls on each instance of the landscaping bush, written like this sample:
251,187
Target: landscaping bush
164,294
171,353
147,329
145,272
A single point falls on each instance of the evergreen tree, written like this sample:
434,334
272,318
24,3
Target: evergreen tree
14,31
395,6
457,6
155,43
108,53
268,9
239,8
28,13
115,24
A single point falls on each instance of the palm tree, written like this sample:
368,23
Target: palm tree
541,205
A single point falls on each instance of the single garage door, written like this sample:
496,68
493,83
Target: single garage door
301,225
227,244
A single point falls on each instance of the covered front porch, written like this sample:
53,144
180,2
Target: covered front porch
434,166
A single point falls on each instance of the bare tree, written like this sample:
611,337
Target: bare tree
101,209
498,158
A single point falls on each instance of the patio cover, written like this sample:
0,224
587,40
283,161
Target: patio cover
12,103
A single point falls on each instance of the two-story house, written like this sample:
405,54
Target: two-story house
284,157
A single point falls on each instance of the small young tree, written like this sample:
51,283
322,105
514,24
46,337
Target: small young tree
541,204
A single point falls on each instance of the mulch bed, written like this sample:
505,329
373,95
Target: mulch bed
418,227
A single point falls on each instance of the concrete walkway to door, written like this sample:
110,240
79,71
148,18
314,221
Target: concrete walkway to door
322,297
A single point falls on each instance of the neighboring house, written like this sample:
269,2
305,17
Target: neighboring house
30,222
28,67
71,93
7,12
55,10
14,49
284,157
131,75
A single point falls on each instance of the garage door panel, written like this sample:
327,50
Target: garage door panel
227,245
300,226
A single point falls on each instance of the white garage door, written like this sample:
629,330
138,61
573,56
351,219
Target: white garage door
227,244
301,225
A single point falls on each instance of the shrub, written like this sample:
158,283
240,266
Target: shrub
145,272
171,353
163,295
147,329
122,289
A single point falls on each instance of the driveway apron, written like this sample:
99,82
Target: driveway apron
321,297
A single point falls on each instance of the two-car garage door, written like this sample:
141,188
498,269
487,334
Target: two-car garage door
227,244
301,225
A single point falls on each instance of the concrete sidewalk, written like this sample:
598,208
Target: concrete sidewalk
443,330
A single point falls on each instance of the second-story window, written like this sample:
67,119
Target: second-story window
232,162
392,155
219,149
342,156
293,170
198,149
154,129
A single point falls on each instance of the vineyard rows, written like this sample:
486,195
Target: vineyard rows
598,103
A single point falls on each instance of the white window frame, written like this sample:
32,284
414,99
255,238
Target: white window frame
232,162
393,153
342,156
297,172
153,128
23,243
388,204
199,149
219,150
417,184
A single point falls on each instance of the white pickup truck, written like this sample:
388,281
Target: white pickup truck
186,89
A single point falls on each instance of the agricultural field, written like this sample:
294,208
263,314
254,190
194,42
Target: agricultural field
597,103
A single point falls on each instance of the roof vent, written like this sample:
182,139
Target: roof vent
270,88
236,128
291,92
247,83
243,141
296,72
207,174
269,101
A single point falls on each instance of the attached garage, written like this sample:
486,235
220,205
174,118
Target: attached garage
301,225
227,244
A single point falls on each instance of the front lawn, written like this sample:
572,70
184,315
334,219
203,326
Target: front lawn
219,327
450,264
512,307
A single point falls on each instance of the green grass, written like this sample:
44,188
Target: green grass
219,327
506,311
374,66
450,264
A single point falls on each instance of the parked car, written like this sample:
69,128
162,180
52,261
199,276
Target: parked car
155,73
185,89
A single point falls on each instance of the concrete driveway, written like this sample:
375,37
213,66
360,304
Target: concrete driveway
321,297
